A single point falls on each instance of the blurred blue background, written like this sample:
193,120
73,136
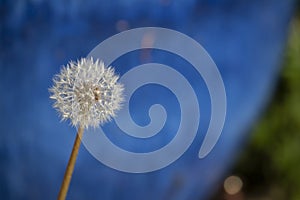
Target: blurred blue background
246,39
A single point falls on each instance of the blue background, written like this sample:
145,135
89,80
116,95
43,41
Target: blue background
246,40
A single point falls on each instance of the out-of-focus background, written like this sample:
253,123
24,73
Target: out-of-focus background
269,167
256,46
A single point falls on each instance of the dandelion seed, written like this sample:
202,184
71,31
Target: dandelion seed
88,94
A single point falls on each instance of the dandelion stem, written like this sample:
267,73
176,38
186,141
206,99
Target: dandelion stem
70,167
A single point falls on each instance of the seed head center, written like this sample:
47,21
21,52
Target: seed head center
97,94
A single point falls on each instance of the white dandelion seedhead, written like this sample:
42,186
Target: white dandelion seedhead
87,93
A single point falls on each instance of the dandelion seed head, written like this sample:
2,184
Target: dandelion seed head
87,92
